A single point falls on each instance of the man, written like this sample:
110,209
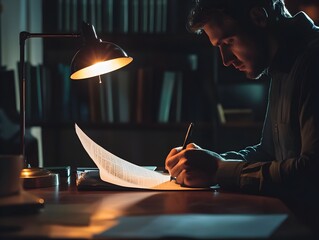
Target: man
261,37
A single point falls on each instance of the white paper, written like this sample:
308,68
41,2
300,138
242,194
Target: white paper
197,226
123,173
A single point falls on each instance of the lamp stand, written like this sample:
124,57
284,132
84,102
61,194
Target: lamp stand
93,59
33,177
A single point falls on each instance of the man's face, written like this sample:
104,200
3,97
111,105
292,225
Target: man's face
246,51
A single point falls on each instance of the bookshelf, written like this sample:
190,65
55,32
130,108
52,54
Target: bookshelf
155,49
152,32
172,81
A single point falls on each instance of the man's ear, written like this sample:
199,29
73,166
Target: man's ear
259,16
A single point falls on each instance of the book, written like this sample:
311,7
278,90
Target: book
146,95
33,94
124,16
158,16
60,15
67,16
7,91
169,79
151,22
47,96
121,16
123,82
38,92
98,16
84,9
65,90
175,114
144,16
107,15
94,100
109,98
74,16
164,16
126,175
134,16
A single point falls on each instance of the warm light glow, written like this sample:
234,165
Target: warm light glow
101,68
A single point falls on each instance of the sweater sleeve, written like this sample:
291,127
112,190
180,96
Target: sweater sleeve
235,175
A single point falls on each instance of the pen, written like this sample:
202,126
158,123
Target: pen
188,134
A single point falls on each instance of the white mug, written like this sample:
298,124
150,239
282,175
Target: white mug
10,170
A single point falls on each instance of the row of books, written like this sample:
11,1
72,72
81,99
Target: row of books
7,90
122,16
143,95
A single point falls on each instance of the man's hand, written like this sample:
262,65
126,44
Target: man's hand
193,166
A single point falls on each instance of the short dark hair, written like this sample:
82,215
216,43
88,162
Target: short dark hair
206,10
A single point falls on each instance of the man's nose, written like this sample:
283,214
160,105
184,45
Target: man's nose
227,56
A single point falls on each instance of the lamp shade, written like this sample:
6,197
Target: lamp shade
96,57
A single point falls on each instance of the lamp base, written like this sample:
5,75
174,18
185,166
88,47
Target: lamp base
38,178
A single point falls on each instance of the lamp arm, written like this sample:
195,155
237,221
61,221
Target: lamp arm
22,38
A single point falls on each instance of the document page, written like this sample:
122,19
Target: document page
195,226
120,172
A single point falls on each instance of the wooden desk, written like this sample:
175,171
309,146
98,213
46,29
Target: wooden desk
69,213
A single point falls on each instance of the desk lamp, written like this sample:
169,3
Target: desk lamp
95,58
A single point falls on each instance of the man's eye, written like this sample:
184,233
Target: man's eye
229,41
